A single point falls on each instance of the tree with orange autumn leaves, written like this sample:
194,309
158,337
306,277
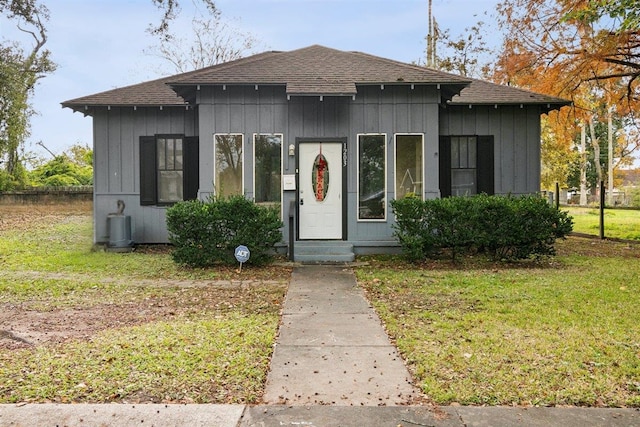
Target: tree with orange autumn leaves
587,51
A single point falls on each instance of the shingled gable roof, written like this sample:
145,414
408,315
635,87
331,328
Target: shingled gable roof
319,70
153,93
314,70
481,92
147,94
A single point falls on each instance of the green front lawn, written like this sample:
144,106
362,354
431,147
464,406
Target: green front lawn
618,223
61,243
109,327
203,360
560,333
556,333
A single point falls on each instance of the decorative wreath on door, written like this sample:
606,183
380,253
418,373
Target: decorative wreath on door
320,176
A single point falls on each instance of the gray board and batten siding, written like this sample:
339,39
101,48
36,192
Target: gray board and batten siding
313,92
245,110
116,150
394,109
516,137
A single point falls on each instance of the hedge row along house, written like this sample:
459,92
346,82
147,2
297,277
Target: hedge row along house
330,136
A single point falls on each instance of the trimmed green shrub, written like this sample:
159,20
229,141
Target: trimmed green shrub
207,233
412,227
507,228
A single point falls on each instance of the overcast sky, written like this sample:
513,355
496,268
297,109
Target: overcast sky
98,44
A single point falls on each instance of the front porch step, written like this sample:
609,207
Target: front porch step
323,251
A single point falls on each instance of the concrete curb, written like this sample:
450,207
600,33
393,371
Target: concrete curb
121,415
161,415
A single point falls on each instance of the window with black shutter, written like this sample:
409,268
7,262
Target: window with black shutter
169,169
466,165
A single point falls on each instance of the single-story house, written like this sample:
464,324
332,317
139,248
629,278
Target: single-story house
331,136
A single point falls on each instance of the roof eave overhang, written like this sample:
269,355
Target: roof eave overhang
187,90
321,95
198,85
88,108
545,106
449,90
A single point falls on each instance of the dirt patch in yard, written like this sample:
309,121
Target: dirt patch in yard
27,328
34,323
26,217
20,217
23,327
595,247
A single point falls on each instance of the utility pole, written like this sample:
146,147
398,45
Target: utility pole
432,36
429,39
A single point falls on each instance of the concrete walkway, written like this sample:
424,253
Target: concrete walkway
332,348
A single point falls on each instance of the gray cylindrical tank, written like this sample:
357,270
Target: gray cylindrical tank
119,227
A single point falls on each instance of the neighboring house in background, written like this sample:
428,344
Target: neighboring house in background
339,134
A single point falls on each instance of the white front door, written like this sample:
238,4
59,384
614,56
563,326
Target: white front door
320,190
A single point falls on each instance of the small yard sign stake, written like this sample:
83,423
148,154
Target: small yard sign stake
242,255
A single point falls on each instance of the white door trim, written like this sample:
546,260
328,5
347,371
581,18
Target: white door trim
321,216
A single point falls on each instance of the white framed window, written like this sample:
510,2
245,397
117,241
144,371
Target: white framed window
409,165
228,171
372,177
267,168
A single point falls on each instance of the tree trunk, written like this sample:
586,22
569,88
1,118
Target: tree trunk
583,165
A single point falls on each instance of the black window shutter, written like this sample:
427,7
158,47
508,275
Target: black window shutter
444,157
485,165
191,168
148,172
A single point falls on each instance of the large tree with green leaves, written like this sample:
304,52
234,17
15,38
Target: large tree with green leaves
70,169
22,65
20,69
626,12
